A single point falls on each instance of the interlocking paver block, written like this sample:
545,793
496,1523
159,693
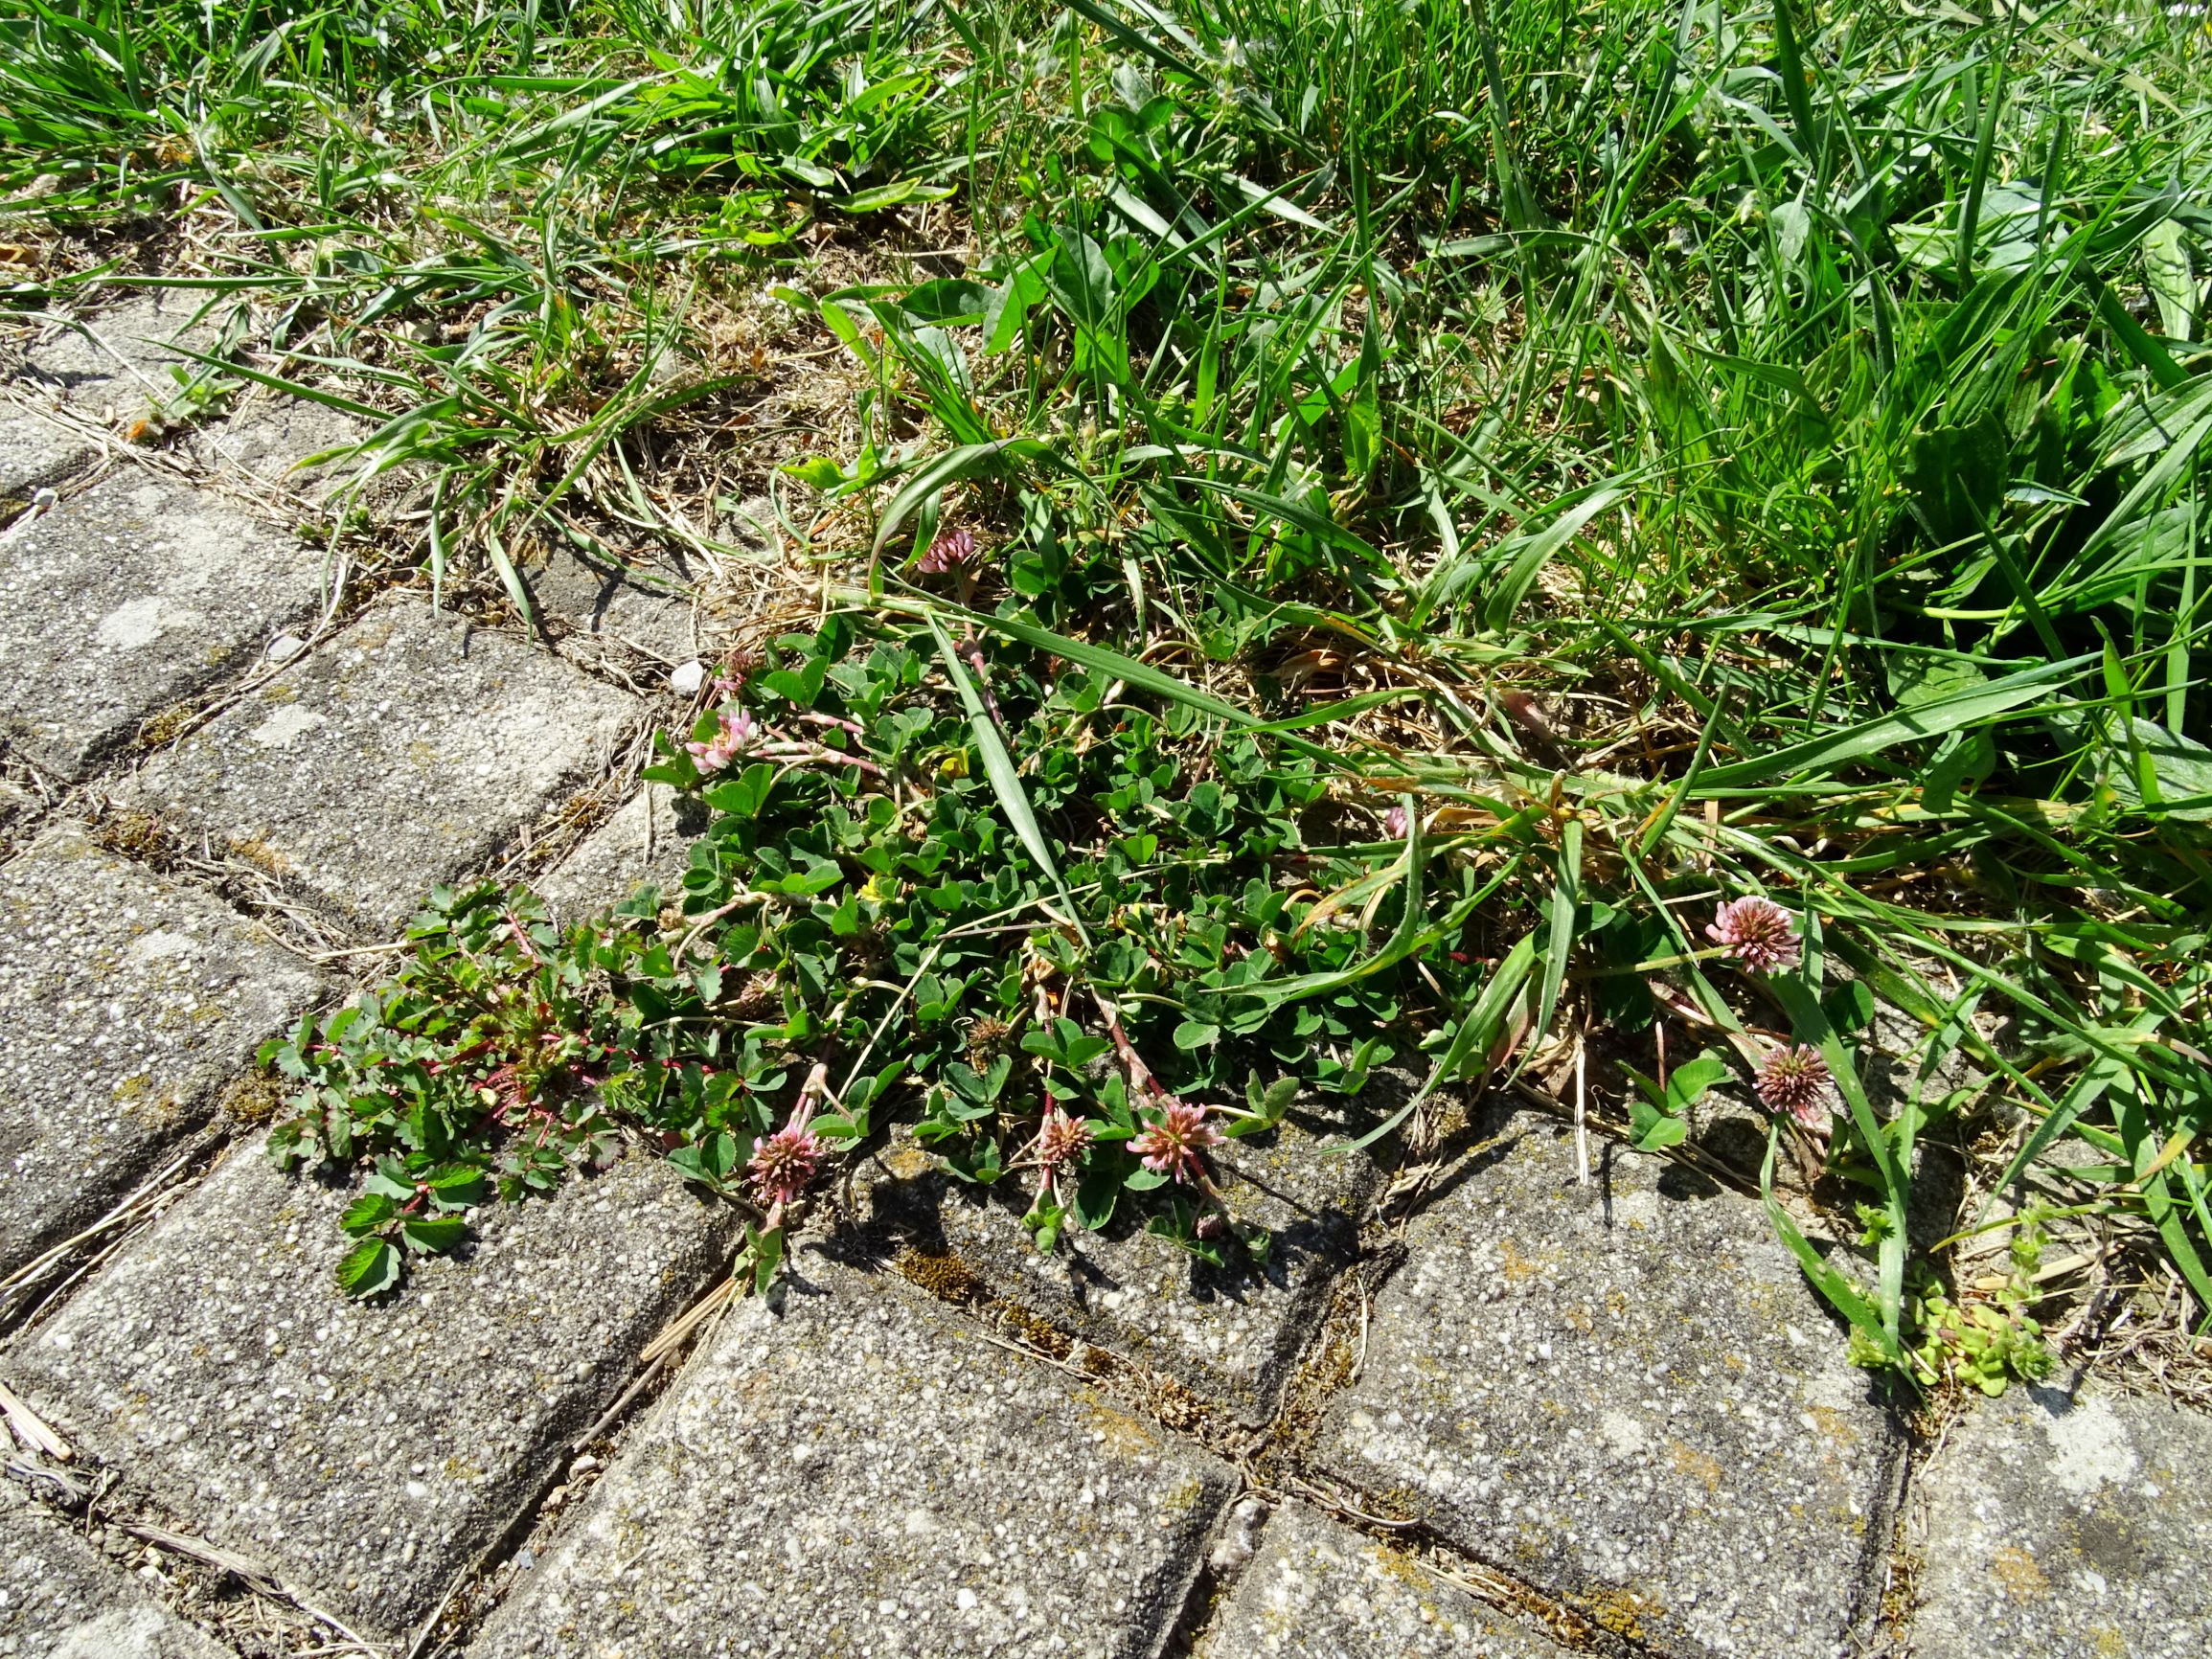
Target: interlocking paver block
126,1002
363,1451
35,451
60,1598
648,841
115,364
1316,1590
129,598
647,607
400,753
1626,1396
1233,1336
268,434
2067,1531
866,1472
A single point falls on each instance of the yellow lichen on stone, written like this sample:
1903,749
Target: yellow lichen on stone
1623,1612
2017,1573
1701,1466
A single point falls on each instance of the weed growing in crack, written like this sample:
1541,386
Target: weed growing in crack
1493,537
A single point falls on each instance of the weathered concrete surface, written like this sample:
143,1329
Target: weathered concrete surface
866,1473
35,451
126,1001
267,435
1233,1336
647,607
19,812
400,753
116,365
1626,1397
1316,1590
2064,1531
363,1451
129,598
60,1598
649,840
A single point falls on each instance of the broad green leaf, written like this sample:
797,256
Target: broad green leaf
370,1268
431,1233
2171,280
366,1214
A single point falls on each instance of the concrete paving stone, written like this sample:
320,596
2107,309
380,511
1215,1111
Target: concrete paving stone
127,1002
1232,1336
60,1598
2068,1530
19,810
648,841
364,1451
35,451
647,607
400,753
268,434
1626,1396
1316,1590
129,598
865,1472
116,367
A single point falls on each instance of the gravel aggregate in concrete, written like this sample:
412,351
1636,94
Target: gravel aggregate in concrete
646,841
1626,1397
861,1471
33,452
2068,1530
1232,1335
130,599
127,1001
60,1598
365,1451
401,753
1318,1590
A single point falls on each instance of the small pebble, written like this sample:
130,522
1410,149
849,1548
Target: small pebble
687,678
285,647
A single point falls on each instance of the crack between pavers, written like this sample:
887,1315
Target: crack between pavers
538,1523
1266,1465
97,1495
23,1305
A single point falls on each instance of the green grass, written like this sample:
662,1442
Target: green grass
1686,450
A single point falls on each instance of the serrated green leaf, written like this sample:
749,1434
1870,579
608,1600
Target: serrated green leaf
370,1268
366,1212
432,1234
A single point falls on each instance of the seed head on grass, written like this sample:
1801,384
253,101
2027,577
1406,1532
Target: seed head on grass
1175,1143
1758,933
1794,1079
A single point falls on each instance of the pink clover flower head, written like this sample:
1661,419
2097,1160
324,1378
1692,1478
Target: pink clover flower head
736,671
949,552
1794,1079
1758,933
1060,1140
782,1164
1394,822
736,734
1174,1143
